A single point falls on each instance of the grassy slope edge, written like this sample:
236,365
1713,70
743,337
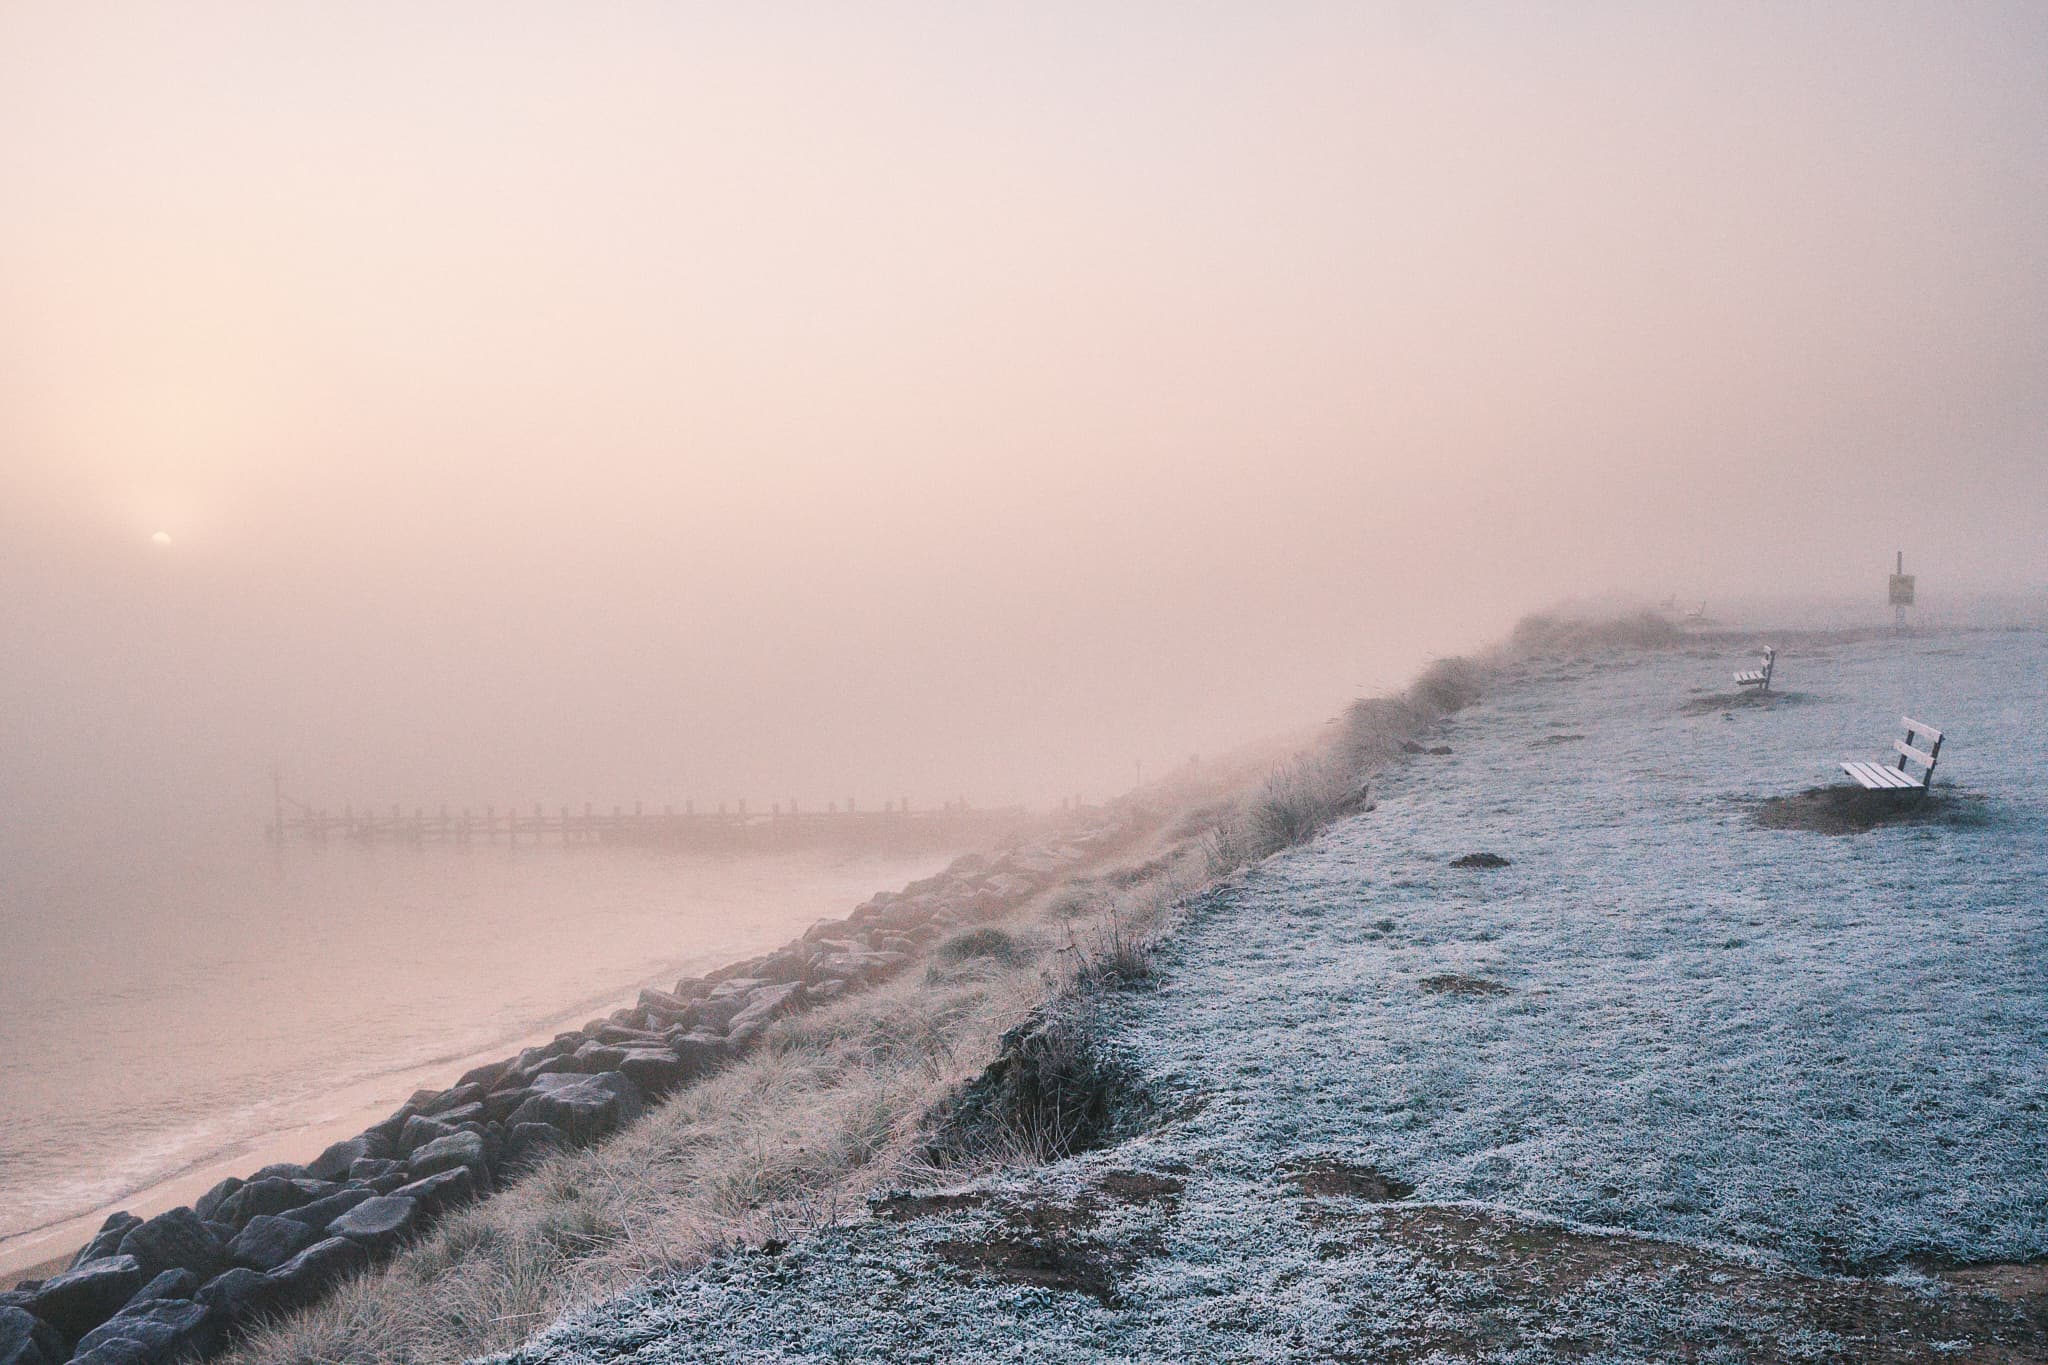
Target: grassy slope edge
845,1099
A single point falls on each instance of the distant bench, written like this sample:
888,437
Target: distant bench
1889,777
1759,678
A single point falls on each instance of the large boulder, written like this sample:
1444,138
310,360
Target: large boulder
107,1241
336,1162
485,1076
584,1108
79,1300
171,1284
387,1131
282,1170
273,1195
321,1212
176,1240
662,1001
237,1295
766,1003
157,1331
595,1056
371,1167
630,1038
207,1205
377,1224
437,1194
269,1240
420,1130
701,1051
500,1104
529,1144
520,1077
463,1116
655,1070
447,1153
306,1276
784,965
26,1339
463,1093
716,1012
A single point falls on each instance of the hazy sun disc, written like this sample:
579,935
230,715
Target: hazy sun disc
160,538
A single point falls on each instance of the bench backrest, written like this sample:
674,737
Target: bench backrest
1917,734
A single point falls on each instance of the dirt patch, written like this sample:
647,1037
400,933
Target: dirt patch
909,1206
2022,1284
1537,1269
1850,810
1322,1177
1140,1187
1453,983
1077,1265
1480,860
1550,741
1050,1243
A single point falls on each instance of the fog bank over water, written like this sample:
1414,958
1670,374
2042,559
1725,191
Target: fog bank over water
659,402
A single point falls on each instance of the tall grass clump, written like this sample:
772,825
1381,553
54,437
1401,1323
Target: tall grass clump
1053,1090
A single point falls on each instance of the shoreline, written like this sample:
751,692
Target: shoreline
342,1110
27,1253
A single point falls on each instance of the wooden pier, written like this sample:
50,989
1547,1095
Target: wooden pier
893,825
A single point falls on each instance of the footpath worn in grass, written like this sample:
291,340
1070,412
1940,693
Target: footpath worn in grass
1704,1089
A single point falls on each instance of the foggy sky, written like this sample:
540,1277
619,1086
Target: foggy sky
664,401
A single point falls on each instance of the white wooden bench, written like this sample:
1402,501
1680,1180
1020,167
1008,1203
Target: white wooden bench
1759,678
1890,777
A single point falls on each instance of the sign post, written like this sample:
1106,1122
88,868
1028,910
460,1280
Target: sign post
1901,592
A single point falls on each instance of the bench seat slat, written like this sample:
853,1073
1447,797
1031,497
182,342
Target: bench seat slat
1879,777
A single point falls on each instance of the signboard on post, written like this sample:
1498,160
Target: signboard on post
1902,590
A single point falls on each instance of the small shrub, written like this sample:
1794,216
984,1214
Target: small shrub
1447,685
1296,802
1118,956
1052,1091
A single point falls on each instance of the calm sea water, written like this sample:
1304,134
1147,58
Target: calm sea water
162,1014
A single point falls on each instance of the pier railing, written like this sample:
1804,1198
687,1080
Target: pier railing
893,824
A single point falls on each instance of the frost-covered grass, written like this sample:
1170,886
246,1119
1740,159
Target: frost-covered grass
1828,1048
1728,1063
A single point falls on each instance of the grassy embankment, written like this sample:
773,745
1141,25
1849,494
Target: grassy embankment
866,1093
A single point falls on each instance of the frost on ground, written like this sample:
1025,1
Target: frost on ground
1668,1084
